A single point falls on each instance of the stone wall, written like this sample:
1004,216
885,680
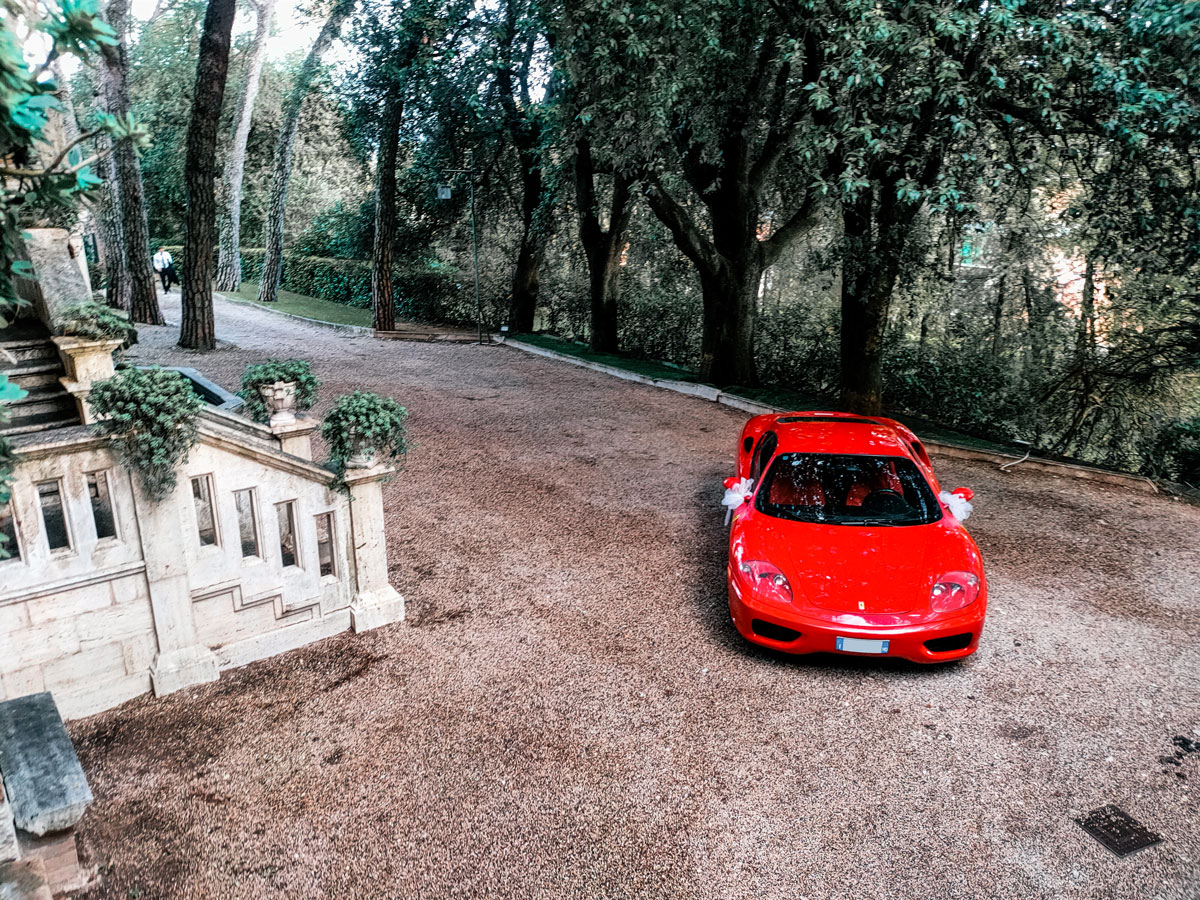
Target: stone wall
112,598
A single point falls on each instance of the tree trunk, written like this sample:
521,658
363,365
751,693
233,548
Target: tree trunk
730,296
601,246
115,270
383,302
268,289
229,257
730,289
196,331
998,319
870,269
143,293
527,274
1037,340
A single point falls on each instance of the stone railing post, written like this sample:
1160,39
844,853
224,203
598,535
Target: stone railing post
295,437
375,602
180,660
87,362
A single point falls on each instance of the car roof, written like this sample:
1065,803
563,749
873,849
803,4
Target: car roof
829,432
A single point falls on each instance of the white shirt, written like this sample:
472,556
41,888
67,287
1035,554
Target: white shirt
162,260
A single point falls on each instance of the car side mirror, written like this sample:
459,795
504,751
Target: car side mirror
731,481
966,493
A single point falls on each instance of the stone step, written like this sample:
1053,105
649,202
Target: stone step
38,380
27,352
41,422
40,403
25,879
37,393
21,369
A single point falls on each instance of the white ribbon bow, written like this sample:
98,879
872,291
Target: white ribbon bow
959,508
736,496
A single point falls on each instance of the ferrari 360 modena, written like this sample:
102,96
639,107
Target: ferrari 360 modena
841,541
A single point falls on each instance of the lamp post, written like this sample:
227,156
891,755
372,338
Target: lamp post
443,193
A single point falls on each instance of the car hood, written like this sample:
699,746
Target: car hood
849,568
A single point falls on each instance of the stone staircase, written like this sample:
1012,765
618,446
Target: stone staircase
31,360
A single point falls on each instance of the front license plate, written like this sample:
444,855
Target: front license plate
858,645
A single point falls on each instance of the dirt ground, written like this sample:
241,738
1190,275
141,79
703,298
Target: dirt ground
568,712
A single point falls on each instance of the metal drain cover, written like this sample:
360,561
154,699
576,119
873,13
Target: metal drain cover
1118,831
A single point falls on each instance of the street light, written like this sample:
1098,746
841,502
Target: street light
443,193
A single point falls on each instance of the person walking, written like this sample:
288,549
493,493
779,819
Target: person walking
164,265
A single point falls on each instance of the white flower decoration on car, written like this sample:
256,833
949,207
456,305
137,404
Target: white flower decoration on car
959,506
736,495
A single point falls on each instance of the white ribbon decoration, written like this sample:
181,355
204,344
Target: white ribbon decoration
736,496
959,508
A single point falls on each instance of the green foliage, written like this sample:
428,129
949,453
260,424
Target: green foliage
150,416
97,322
74,28
257,375
338,232
424,289
1178,451
364,422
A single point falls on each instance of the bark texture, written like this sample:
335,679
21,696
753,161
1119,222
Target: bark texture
229,259
383,301
525,131
268,290
875,231
143,292
116,272
601,246
212,67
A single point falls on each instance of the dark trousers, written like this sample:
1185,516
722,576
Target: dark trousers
165,275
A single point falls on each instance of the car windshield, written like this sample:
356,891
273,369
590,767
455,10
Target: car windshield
847,490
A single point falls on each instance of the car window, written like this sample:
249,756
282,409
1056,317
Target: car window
766,447
847,489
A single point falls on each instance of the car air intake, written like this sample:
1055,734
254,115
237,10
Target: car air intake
946,644
772,631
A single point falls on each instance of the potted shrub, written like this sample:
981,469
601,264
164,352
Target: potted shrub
150,416
276,390
363,426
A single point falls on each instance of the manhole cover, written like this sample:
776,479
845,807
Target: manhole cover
1118,831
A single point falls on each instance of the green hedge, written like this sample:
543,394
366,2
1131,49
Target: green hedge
424,290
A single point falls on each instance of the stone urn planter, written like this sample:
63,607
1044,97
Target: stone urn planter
87,361
280,399
363,455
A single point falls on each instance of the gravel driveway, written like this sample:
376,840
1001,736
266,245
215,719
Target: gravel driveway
568,712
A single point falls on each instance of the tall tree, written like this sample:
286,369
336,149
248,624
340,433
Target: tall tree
114,75
268,290
391,36
602,246
383,302
196,330
703,101
229,258
116,270
521,48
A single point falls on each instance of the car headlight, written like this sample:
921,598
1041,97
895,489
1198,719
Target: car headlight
954,590
766,579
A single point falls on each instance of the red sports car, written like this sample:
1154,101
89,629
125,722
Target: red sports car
842,542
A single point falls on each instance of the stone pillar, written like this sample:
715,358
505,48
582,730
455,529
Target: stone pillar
180,660
295,437
375,602
60,281
87,362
